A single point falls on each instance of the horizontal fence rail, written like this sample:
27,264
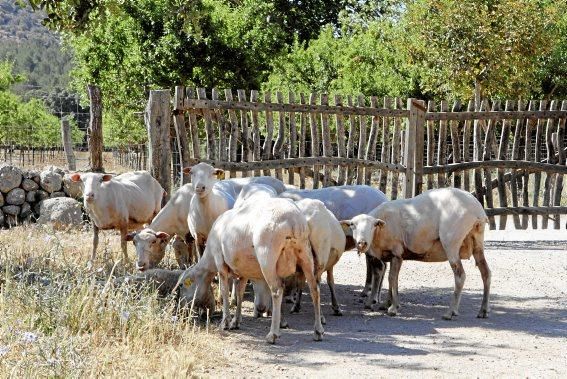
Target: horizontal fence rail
510,155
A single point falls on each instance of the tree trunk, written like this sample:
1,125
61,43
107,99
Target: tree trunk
95,127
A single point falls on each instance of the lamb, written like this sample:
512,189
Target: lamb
328,244
120,202
345,202
265,239
438,225
151,241
213,197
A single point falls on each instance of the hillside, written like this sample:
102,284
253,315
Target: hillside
35,51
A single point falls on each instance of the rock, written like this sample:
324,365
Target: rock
31,196
56,169
51,179
1,199
29,185
17,196
61,212
71,188
25,210
1,219
10,178
58,194
41,195
32,175
12,210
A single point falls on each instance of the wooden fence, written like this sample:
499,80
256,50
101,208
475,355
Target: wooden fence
511,159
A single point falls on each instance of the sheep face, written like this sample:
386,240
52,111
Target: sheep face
364,229
92,182
196,290
150,247
203,178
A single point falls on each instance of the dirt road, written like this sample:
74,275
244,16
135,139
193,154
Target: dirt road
526,334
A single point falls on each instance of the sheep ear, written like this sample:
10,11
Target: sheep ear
76,177
106,177
219,173
186,170
379,223
346,224
130,236
162,235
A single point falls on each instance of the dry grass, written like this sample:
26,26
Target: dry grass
59,319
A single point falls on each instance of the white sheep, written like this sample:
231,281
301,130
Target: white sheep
151,241
120,202
345,202
438,225
266,240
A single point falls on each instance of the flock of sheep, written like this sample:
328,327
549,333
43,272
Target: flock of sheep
279,237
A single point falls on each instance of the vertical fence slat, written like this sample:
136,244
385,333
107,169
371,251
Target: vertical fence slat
396,149
477,140
352,135
466,146
245,134
326,138
537,157
278,145
234,132
430,142
558,191
549,178
315,147
256,152
502,150
180,131
292,139
442,147
193,126
372,137
361,141
419,145
528,157
267,148
489,139
409,149
211,148
516,156
455,143
385,153
223,129
341,148
302,137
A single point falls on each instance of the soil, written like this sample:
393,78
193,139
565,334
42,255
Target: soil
525,334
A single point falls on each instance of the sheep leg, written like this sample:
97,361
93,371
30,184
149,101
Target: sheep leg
460,277
381,273
368,282
240,285
95,242
298,291
124,243
307,268
223,280
377,275
478,254
334,302
393,281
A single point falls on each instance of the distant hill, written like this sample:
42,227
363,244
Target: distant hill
34,49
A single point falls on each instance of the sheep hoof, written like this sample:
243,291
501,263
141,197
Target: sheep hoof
337,312
224,324
482,314
323,321
393,310
234,324
364,293
283,324
368,305
449,315
318,335
295,309
384,306
271,338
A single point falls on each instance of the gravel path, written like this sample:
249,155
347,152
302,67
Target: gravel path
525,335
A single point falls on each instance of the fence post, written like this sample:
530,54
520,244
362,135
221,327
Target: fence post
414,148
67,144
180,131
157,118
95,127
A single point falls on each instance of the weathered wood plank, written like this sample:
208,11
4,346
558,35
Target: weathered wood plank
326,138
372,137
466,146
279,144
477,154
430,142
489,139
396,149
527,166
193,126
292,152
267,148
302,137
409,149
361,141
455,144
211,146
68,143
341,148
528,211
180,131
256,152
419,145
352,137
558,190
385,153
245,133
224,129
234,132
528,157
496,115
515,156
502,149
442,147
158,118
537,157
549,178
315,146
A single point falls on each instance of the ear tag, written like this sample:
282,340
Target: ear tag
187,282
220,176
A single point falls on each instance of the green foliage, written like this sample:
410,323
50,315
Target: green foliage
122,128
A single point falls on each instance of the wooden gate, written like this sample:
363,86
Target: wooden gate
512,160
